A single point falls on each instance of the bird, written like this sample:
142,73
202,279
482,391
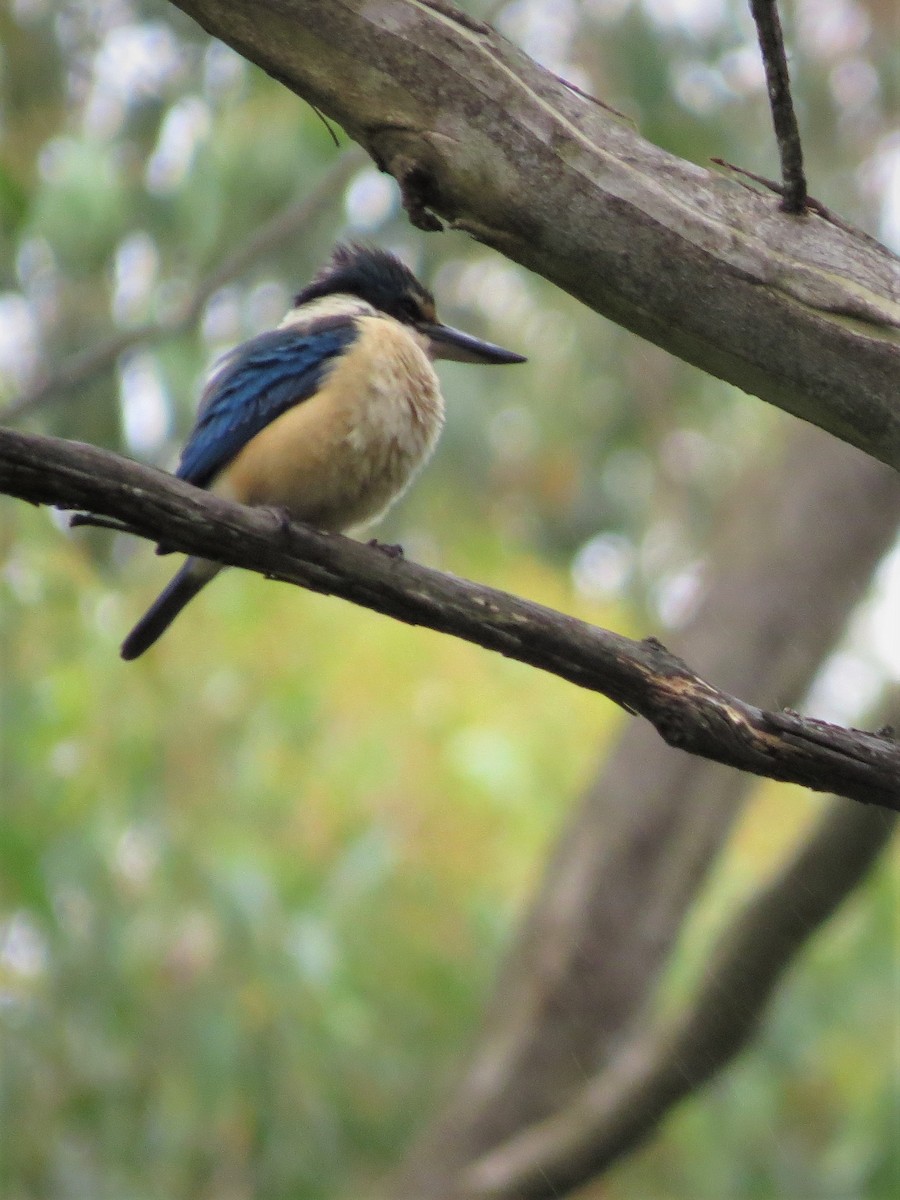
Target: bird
326,418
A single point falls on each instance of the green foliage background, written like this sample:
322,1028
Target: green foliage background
254,888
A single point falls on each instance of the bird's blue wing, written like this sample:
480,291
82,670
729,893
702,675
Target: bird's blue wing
254,384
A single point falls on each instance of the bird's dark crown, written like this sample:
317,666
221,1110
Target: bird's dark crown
376,276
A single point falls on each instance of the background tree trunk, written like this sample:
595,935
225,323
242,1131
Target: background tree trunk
576,985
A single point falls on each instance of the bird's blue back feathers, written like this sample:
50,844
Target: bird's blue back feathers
256,383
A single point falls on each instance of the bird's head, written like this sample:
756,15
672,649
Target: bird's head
382,280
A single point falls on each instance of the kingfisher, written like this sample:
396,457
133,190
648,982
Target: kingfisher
328,417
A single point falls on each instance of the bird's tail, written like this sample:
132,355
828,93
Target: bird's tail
195,573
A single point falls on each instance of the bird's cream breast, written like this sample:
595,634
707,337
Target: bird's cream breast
341,457
389,384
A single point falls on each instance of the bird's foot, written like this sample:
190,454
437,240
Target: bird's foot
392,550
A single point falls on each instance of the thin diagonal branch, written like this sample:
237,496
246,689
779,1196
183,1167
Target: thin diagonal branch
812,204
79,369
624,1102
642,677
787,133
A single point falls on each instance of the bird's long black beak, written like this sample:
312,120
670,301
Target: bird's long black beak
447,342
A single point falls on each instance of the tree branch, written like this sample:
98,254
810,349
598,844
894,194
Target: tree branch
787,134
803,314
81,368
581,973
643,677
618,1107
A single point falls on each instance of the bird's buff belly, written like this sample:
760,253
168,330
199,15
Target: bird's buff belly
334,465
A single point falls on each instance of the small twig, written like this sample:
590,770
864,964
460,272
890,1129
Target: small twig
772,185
812,204
86,365
329,128
578,91
463,19
94,521
644,677
787,133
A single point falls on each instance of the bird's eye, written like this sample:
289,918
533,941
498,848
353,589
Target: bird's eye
408,309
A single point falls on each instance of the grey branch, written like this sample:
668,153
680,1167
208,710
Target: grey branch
643,677
784,119
655,1070
802,313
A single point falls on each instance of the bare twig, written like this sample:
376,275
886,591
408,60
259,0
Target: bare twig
626,1100
81,368
771,44
643,677
812,204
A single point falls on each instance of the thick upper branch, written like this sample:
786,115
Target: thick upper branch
794,309
641,676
